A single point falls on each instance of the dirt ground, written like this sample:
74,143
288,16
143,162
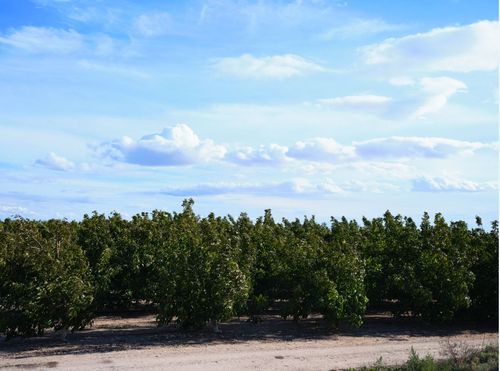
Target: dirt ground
274,344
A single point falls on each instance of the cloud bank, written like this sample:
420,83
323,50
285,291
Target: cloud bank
294,187
179,146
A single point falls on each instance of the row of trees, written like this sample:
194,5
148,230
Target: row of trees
59,274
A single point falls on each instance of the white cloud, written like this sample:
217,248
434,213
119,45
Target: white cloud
329,151
154,24
329,186
273,154
321,150
412,147
55,162
447,184
44,39
274,67
472,47
359,27
316,155
174,146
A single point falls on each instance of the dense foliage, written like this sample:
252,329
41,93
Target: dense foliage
59,274
424,271
44,280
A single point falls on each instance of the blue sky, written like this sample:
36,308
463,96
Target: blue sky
306,107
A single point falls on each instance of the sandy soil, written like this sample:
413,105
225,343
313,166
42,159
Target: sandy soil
274,344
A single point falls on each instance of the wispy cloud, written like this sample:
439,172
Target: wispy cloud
357,100
43,39
269,18
39,198
414,147
432,94
296,187
107,14
113,69
153,24
272,67
50,40
366,103
440,89
359,27
473,47
447,184
55,162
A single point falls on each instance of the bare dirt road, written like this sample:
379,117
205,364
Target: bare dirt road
274,344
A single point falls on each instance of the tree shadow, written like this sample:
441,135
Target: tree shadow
135,332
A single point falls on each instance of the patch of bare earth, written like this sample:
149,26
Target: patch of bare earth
274,344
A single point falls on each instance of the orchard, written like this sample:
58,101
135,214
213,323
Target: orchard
194,270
